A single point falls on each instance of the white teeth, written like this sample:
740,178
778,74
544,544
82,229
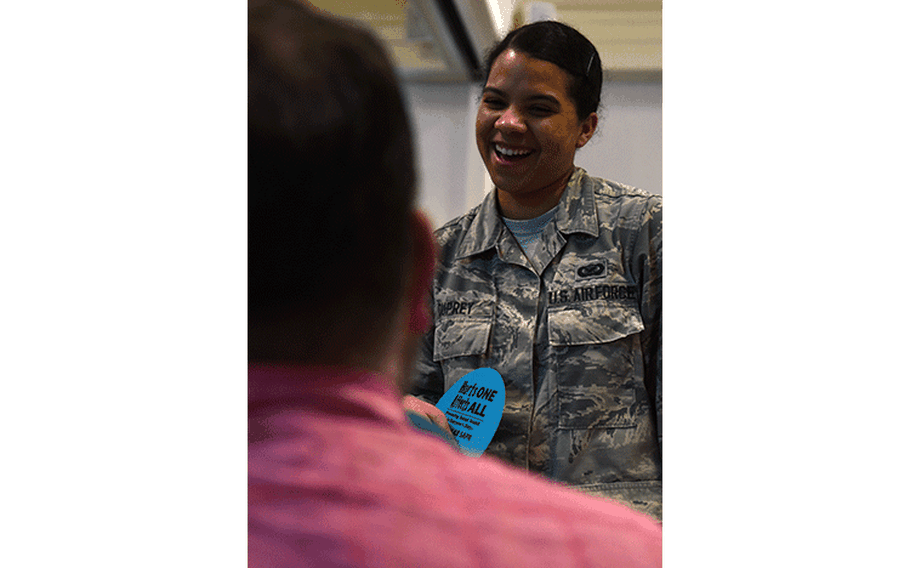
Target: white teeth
511,153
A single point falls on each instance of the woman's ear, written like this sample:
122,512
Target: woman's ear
588,127
423,267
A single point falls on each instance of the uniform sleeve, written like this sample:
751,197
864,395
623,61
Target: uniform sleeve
428,383
648,253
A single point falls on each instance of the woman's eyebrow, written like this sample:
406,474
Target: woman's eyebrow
494,91
545,98
532,98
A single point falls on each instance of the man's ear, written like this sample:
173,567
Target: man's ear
423,267
588,127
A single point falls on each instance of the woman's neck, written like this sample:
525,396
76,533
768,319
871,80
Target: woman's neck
522,206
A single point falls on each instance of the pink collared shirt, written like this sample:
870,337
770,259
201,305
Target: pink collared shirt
338,477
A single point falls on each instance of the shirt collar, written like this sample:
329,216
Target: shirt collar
484,230
326,389
576,213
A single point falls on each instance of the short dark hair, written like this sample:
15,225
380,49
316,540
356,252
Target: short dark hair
565,47
331,176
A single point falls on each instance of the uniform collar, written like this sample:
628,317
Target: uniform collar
576,213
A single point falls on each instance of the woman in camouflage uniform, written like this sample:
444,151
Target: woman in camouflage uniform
554,280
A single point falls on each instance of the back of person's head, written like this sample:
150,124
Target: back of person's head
565,47
331,184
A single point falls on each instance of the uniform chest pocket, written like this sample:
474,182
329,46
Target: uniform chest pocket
597,351
591,323
463,323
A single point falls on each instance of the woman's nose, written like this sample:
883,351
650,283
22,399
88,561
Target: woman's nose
510,120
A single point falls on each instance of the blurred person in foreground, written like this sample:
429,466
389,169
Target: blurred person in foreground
340,269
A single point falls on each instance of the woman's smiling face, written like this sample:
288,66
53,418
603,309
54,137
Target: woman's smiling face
528,131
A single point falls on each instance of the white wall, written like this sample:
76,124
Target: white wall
450,173
626,148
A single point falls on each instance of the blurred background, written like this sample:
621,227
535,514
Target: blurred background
438,47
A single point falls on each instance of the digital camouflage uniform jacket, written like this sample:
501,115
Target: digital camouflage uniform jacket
578,346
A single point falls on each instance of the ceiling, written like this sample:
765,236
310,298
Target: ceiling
414,33
627,33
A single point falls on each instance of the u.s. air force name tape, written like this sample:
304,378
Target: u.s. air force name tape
473,407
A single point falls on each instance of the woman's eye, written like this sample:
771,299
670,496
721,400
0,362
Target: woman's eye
493,103
539,110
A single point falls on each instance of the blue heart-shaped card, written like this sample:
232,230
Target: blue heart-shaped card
473,407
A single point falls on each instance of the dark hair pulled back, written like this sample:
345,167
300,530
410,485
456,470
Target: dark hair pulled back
565,47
